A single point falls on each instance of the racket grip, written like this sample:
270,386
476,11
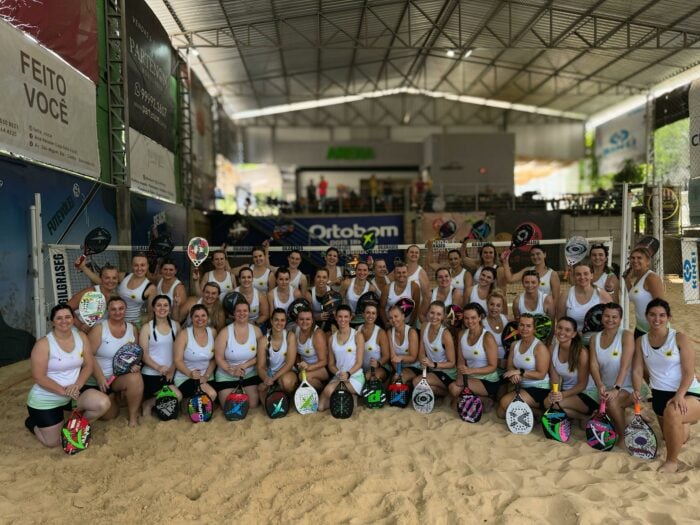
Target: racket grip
79,261
555,388
637,408
111,380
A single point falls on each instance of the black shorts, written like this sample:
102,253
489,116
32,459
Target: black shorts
659,399
538,394
591,403
230,385
48,417
414,369
491,387
152,385
189,387
442,376
95,387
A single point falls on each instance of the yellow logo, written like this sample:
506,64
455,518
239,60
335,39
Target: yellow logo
527,359
476,352
669,353
252,349
307,351
133,296
349,350
542,283
635,290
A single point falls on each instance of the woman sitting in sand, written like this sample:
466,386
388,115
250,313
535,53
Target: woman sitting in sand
403,345
193,354
277,354
377,353
436,351
669,357
312,350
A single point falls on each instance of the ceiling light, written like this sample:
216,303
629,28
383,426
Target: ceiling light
468,53
450,53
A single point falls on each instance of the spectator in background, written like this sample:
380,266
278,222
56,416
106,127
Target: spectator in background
311,195
322,189
373,191
388,193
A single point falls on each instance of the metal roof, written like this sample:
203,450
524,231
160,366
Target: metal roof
581,56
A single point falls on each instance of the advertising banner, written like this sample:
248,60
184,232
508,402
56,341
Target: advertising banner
150,66
694,129
689,251
47,108
152,167
621,139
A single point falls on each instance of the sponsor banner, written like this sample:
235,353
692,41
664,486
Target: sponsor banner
431,226
47,111
621,139
203,165
152,167
59,263
150,64
346,231
68,27
689,251
694,128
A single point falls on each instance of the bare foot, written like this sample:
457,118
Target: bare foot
133,423
669,467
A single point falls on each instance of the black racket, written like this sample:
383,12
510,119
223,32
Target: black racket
96,241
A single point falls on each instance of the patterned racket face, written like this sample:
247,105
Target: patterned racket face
282,230
231,300
543,327
575,250
600,433
519,417
593,321
331,301
556,425
297,306
276,403
373,393
75,434
470,407
398,395
510,334
640,439
365,299
650,244
522,235
454,315
92,307
423,398
200,408
480,231
306,399
369,240
236,406
447,229
167,406
96,241
407,306
197,250
342,404
127,356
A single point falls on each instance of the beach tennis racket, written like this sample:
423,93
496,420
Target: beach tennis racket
75,434
167,406
342,403
407,305
600,432
543,327
298,305
200,406
398,391
575,250
480,231
365,299
423,398
469,407
96,241
237,404
649,244
556,424
92,307
127,356
330,301
519,417
510,334
522,235
197,250
447,230
454,315
231,300
593,321
640,439
306,397
373,391
159,248
368,240
276,401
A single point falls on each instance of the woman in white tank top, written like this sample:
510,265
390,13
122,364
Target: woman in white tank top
312,350
403,343
643,285
459,275
436,351
377,354
610,357
532,300
353,289
156,339
105,339
581,297
494,322
480,292
282,295
297,278
259,307
669,357
335,272
548,279
416,273
487,259
318,290
219,274
569,369
277,353
109,280
170,285
61,365
603,276
445,291
263,278
193,355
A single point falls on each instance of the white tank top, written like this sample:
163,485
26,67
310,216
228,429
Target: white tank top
415,276
63,367
351,297
664,364
277,356
196,357
160,348
109,346
576,310
568,378
237,353
225,286
497,335
458,280
295,282
474,298
372,349
474,355
600,281
448,299
641,297
477,273
435,349
402,349
171,292
527,362
376,285
316,306
610,359
306,350
392,297
278,303
254,305
346,353
539,307
546,282
261,283
134,299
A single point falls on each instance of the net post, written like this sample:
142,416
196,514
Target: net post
38,267
657,210
624,250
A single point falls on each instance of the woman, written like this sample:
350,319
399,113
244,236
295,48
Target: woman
105,339
353,289
610,356
282,295
643,285
480,292
377,353
461,278
263,278
236,356
318,290
569,369
495,322
548,279
401,287
220,274
581,297
416,273
277,353
61,364
445,291
487,259
437,351
335,272
669,357
194,355
532,300
381,279
403,344
528,366
477,357
109,278
156,339
170,285
312,350
259,308
210,300
347,348
297,279
603,276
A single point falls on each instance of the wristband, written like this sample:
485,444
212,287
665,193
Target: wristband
435,364
522,371
617,387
